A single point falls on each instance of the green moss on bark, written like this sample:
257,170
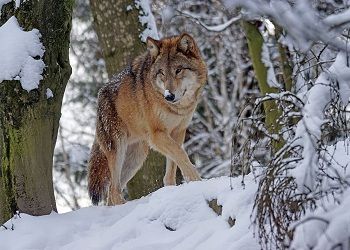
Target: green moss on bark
272,112
28,120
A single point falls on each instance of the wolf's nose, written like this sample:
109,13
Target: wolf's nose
169,96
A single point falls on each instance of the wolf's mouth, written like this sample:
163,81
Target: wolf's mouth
178,99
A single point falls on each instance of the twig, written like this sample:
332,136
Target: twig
214,28
308,219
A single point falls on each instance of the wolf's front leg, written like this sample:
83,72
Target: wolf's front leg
163,143
170,174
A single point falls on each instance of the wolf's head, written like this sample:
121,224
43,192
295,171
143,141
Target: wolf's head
177,68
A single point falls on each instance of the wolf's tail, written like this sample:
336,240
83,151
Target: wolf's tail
98,174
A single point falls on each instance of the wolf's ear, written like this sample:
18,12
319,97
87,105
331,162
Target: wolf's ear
187,45
153,47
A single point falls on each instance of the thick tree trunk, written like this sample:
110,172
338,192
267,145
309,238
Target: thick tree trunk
29,121
118,30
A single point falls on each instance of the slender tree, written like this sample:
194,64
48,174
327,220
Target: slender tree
272,112
118,30
29,120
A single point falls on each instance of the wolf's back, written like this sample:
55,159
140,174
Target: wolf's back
98,174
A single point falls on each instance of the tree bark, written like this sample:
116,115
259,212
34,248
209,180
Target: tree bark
28,120
272,112
285,63
118,31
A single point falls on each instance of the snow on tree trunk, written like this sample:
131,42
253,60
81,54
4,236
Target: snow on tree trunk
29,119
118,27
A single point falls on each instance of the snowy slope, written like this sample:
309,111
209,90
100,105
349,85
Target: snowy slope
171,218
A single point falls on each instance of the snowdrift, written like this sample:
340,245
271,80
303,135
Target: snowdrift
170,218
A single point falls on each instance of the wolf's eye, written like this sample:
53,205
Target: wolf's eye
178,71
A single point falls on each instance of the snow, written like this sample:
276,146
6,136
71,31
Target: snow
49,93
3,2
214,28
78,129
167,13
167,93
129,8
66,196
301,22
30,74
146,18
18,50
329,224
222,27
271,76
340,70
338,19
170,218
308,131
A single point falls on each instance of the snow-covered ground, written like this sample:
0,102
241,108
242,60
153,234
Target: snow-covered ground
170,218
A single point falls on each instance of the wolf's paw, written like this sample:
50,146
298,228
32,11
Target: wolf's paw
192,178
192,175
169,178
116,200
169,181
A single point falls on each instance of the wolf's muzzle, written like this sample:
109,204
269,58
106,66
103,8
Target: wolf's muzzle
170,97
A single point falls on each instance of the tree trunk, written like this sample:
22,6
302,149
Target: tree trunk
272,112
285,63
118,30
28,120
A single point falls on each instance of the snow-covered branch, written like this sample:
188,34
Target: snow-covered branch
214,28
299,19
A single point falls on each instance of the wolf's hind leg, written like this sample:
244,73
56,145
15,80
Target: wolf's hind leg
136,154
115,162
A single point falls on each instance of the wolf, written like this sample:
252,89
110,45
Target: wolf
148,105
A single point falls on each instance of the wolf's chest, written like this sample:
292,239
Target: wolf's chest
172,118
